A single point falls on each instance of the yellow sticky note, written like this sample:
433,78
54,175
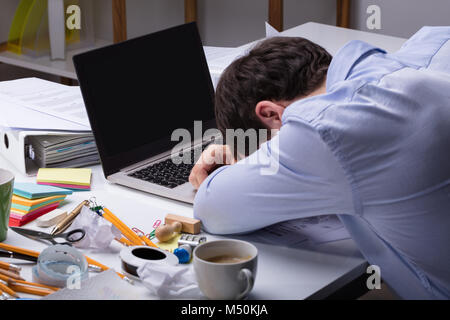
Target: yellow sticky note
67,176
170,245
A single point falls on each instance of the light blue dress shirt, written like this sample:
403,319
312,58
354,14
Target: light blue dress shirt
375,149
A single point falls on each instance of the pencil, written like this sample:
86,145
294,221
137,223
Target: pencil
125,241
31,290
9,266
101,266
36,254
133,237
148,242
11,274
127,232
4,296
8,290
14,281
27,252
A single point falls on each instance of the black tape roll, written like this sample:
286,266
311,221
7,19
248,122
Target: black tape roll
134,257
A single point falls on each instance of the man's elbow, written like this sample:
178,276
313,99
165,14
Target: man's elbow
215,218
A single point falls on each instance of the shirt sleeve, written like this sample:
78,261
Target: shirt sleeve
292,176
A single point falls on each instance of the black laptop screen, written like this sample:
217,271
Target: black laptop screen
139,91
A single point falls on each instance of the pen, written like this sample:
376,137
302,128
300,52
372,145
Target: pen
64,224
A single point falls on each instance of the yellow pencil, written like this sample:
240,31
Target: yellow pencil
8,290
31,290
14,281
36,254
125,241
127,232
9,266
148,242
134,235
4,295
11,274
27,252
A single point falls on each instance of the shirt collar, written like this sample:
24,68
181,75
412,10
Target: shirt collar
344,60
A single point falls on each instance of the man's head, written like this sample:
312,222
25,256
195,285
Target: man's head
254,90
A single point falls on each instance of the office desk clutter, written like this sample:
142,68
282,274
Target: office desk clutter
164,268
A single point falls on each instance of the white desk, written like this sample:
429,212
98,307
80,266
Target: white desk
283,273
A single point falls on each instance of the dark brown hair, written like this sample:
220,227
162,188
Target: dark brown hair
277,69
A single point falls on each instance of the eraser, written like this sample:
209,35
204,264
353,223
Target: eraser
51,218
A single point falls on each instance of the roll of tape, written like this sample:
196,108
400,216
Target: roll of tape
134,257
59,265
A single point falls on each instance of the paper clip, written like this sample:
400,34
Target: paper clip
151,235
141,233
94,206
138,231
156,224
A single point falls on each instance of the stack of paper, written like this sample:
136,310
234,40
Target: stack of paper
30,201
67,178
62,151
36,104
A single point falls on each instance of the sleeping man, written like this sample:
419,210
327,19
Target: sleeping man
364,135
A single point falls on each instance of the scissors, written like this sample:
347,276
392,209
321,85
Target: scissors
70,237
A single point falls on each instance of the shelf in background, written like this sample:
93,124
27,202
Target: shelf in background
62,68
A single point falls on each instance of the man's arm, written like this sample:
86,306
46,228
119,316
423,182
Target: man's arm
292,176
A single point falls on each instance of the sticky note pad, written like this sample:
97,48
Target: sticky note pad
36,191
26,205
72,178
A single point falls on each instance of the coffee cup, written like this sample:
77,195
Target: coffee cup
225,269
6,191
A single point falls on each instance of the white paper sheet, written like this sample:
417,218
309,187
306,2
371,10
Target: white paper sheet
47,97
104,286
219,58
314,230
16,117
271,31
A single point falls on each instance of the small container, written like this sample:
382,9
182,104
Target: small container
191,240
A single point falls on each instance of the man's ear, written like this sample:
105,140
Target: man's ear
270,113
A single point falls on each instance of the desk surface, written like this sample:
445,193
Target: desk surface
283,273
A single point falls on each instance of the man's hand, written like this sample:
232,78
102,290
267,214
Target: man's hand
213,157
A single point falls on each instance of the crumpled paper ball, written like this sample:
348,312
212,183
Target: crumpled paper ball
99,232
170,282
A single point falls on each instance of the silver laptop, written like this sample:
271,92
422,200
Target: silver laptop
139,95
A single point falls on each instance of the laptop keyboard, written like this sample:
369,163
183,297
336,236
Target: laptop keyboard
167,173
